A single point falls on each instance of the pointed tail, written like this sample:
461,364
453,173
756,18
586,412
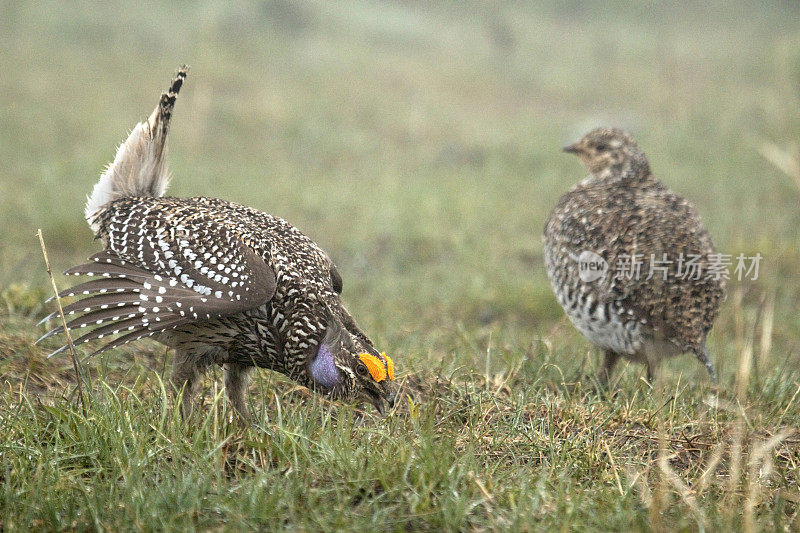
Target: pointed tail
139,168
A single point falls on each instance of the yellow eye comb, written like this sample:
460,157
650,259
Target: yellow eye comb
389,365
376,368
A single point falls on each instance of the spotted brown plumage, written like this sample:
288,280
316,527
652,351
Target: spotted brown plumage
647,305
219,282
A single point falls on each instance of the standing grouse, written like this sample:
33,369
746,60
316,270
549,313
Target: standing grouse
630,261
219,282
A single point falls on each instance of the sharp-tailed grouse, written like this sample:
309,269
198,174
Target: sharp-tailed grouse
629,260
219,282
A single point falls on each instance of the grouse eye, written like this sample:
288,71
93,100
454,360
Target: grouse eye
601,147
362,369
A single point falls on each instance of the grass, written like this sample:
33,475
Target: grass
419,145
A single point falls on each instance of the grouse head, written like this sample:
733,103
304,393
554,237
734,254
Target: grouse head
609,149
346,368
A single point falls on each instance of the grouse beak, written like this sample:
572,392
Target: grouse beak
379,398
377,401
571,148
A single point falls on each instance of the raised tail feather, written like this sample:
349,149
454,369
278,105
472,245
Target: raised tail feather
139,168
118,303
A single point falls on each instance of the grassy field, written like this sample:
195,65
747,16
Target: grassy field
419,144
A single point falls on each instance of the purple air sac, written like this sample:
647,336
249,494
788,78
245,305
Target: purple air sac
323,369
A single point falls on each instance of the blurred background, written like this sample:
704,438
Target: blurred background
418,143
